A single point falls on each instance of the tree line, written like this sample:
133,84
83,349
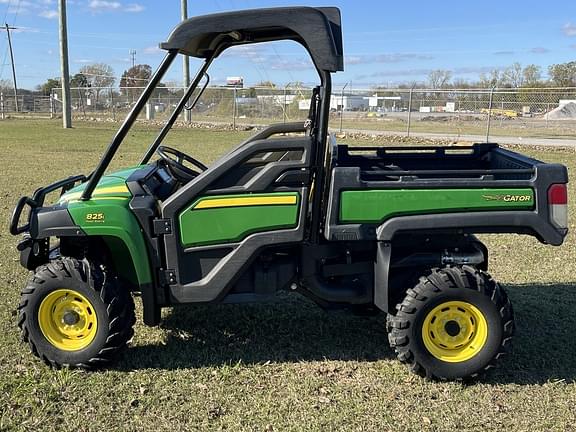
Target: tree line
514,76
100,75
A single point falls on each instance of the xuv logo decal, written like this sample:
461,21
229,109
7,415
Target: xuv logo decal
508,198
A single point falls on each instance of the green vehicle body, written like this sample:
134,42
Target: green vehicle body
291,209
231,218
107,215
210,221
375,206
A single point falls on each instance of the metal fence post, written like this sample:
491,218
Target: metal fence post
2,105
234,109
489,115
285,100
409,111
342,106
112,103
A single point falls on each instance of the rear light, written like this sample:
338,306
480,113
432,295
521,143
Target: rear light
558,204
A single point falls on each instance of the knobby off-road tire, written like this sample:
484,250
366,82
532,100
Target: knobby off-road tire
74,313
456,323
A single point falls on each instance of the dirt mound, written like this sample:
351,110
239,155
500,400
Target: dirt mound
564,112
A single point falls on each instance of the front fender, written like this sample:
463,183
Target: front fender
111,218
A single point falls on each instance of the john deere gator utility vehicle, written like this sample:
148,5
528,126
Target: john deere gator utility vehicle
389,229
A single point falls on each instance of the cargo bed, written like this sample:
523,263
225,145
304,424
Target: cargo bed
429,187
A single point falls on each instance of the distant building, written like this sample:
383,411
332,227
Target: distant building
348,103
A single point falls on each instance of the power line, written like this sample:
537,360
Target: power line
7,9
13,22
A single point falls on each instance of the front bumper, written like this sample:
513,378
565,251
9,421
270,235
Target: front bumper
36,202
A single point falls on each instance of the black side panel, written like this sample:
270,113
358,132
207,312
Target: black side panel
53,221
520,222
221,277
207,273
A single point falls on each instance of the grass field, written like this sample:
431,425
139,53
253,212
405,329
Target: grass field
285,365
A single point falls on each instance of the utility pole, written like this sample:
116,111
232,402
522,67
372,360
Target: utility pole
65,74
133,56
186,64
8,28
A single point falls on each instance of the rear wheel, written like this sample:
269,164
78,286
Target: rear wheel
74,313
454,324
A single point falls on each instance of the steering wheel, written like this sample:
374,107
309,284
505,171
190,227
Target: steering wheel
175,160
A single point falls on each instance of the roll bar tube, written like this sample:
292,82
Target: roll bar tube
96,175
181,105
318,157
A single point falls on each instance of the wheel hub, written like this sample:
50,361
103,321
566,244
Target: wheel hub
70,318
454,331
67,320
452,328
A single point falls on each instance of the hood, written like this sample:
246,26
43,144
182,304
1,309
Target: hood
110,185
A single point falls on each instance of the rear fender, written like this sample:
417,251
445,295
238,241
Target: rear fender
393,276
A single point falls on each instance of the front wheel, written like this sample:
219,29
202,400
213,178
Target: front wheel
454,324
74,313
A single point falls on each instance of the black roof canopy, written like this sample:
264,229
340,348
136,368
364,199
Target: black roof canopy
317,29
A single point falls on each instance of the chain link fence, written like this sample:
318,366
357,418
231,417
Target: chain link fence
529,113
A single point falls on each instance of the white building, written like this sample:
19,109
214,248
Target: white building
348,103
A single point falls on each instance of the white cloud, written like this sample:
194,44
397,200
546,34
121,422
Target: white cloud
25,30
569,29
539,50
152,50
504,53
254,53
109,6
386,58
294,65
134,8
104,5
49,14
82,61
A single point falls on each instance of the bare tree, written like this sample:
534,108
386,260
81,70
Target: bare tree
532,76
439,78
513,76
99,75
493,79
266,84
6,86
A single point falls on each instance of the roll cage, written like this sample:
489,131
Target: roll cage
318,30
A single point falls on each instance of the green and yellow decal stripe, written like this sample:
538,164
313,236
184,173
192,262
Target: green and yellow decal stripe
266,200
231,218
374,206
110,192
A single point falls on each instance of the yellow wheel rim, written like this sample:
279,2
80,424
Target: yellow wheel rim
454,331
67,320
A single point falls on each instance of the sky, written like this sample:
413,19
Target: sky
385,42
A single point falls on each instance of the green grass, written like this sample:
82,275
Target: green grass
526,128
286,365
449,124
